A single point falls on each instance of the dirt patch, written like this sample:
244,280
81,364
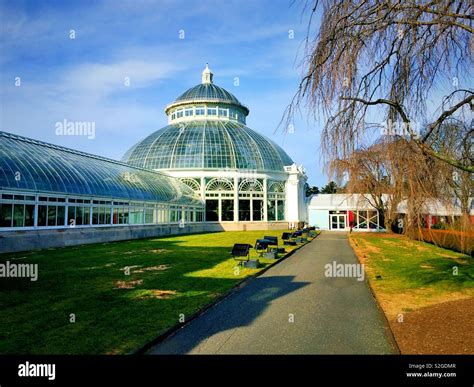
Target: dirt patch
213,295
372,249
426,267
364,251
159,294
158,251
412,300
152,268
127,284
422,248
129,267
444,328
375,235
445,256
390,242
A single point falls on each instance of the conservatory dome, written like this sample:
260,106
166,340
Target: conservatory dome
207,144
207,92
207,131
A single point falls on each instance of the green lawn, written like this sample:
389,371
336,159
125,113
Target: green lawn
115,312
407,274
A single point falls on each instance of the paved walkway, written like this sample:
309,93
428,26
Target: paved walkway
331,315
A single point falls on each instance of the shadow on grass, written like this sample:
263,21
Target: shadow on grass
437,270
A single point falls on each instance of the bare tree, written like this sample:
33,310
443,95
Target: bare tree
386,59
454,138
366,173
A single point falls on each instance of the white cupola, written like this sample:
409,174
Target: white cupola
207,75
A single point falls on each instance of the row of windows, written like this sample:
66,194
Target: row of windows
23,215
249,210
275,210
54,215
210,111
55,199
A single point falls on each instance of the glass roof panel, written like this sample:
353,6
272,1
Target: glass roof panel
207,144
36,166
208,92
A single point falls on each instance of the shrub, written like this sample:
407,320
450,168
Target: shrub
460,241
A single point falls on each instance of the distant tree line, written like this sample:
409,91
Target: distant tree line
329,188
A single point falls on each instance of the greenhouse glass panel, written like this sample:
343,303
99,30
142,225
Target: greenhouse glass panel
37,166
212,210
42,215
271,210
280,210
257,210
18,215
51,215
244,210
6,215
60,218
211,143
227,210
29,215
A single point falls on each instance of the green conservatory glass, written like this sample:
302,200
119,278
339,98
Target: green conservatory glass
28,164
207,144
208,92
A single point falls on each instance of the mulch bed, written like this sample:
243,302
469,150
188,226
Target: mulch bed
445,328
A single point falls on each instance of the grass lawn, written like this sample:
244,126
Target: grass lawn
114,312
418,283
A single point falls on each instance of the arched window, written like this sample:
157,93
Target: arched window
250,185
192,183
277,186
276,201
219,200
219,184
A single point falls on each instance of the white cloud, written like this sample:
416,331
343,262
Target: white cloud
102,79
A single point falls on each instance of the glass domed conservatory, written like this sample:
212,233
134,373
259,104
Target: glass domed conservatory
243,177
52,196
205,171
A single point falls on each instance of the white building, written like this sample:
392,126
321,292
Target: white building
340,211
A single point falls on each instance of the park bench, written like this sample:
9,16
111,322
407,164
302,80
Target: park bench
241,252
261,245
273,240
287,238
298,236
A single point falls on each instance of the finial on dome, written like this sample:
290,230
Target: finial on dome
207,75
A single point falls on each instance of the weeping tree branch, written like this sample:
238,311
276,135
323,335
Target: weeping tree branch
422,142
382,51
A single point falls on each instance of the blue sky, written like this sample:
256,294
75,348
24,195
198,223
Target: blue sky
82,79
